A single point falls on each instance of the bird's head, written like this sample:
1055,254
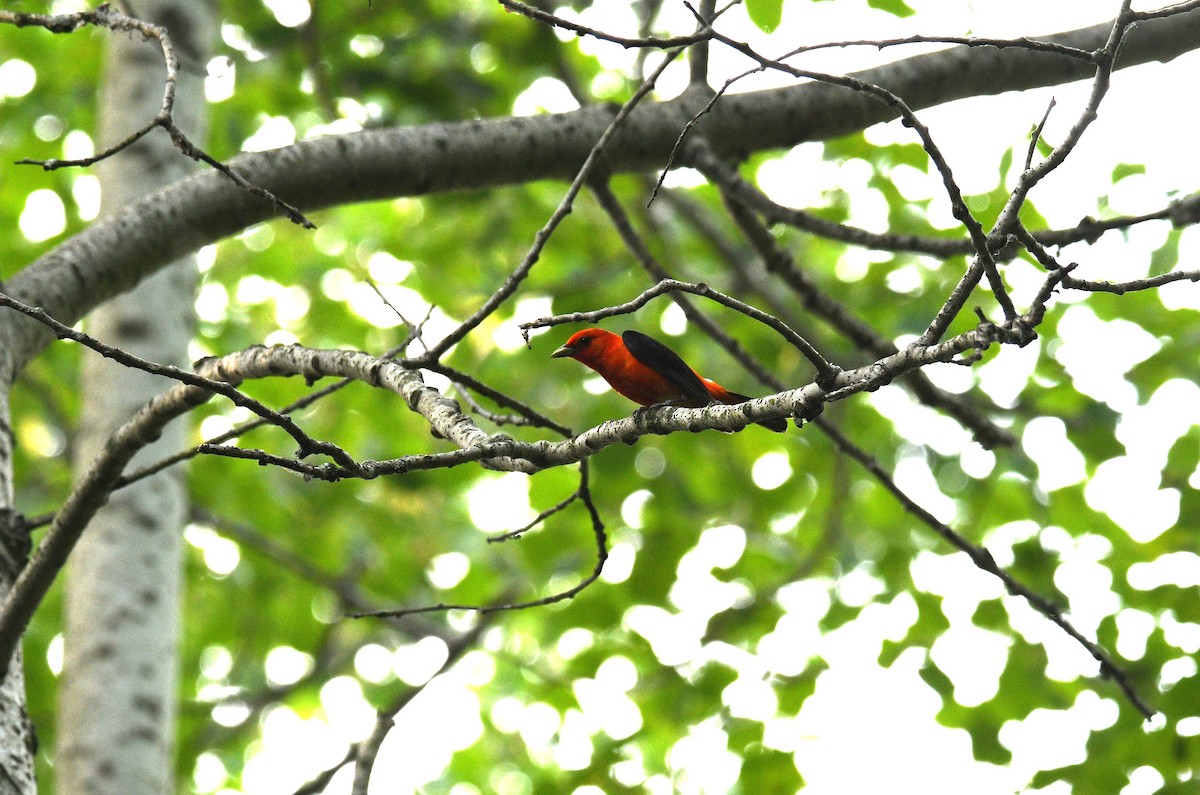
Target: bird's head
587,345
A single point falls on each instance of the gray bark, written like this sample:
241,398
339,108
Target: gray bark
17,743
116,253
116,723
124,249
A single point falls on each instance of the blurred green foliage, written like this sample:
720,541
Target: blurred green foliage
424,61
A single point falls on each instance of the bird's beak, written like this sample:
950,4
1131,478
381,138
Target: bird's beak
565,350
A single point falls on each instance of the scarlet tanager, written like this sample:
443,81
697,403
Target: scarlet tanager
647,372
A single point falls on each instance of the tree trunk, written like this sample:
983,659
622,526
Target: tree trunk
117,720
17,743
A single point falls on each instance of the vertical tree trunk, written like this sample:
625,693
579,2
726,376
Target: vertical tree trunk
16,735
117,719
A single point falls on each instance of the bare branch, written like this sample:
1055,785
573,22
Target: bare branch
1181,212
1037,134
1009,216
1120,288
819,303
1024,43
984,561
1163,13
223,387
984,258
546,17
543,236
363,753
105,16
537,520
825,370
526,415
584,495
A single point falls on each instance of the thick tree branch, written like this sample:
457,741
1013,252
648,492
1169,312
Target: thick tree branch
496,452
117,252
734,190
308,445
80,506
531,257
1010,216
897,104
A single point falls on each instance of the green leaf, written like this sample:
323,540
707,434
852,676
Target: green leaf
897,8
770,770
767,14
830,526
1124,170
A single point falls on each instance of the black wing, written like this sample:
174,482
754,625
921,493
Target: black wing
666,362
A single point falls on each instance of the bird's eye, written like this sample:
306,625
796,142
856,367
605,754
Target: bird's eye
583,343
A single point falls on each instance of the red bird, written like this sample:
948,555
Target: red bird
647,372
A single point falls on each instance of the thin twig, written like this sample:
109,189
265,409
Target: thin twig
818,302
984,258
1010,215
585,496
104,16
984,561
364,752
537,520
652,42
1037,135
1023,43
543,236
308,445
823,367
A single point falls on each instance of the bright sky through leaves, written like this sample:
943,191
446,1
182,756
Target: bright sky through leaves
857,702
828,737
